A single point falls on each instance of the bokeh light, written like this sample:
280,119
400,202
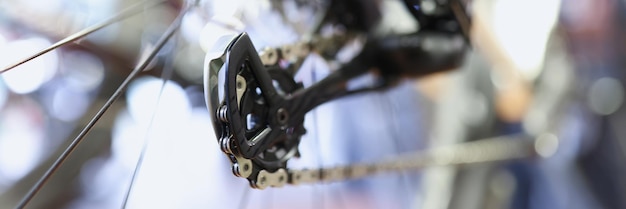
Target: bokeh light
30,76
523,36
21,139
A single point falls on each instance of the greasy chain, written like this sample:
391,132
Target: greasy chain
480,151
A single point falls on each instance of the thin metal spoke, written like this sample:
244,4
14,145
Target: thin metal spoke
126,13
118,92
245,197
165,76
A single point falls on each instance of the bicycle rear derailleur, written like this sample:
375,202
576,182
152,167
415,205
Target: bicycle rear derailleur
258,110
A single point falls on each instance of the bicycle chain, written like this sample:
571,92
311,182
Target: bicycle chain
481,151
486,150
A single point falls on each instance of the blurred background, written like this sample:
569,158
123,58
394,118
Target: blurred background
535,67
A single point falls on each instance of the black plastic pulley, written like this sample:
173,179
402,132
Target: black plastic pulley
244,97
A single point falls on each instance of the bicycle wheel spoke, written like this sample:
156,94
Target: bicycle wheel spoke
243,201
118,92
135,172
165,76
126,13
